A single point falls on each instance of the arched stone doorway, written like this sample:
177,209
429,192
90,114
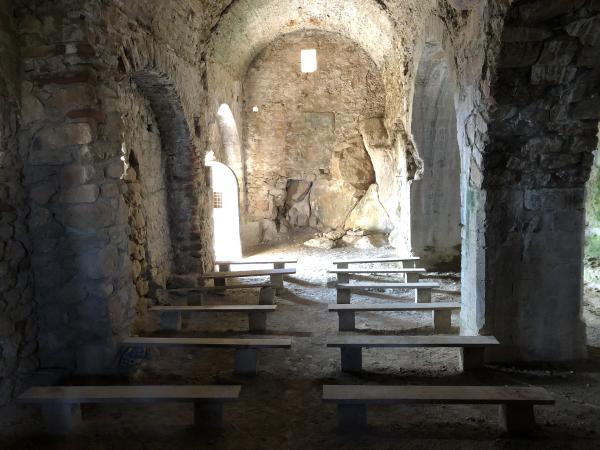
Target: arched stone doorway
226,211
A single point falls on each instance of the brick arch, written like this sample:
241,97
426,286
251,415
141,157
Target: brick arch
537,156
182,165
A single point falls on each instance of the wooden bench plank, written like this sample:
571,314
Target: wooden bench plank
117,394
411,341
489,395
394,307
248,273
377,260
516,402
215,309
184,291
209,342
61,405
406,270
386,285
266,294
422,290
442,313
258,261
246,359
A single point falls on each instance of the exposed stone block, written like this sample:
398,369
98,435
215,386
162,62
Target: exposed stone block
87,193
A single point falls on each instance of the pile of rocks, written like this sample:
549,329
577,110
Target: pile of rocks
356,238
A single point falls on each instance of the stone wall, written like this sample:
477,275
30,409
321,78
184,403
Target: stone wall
525,200
306,162
87,66
435,198
18,325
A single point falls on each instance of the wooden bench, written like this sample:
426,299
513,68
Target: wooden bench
442,313
225,266
170,316
516,402
422,290
472,347
196,295
245,349
411,274
276,276
61,405
406,261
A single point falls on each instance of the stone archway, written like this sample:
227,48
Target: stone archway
524,197
182,166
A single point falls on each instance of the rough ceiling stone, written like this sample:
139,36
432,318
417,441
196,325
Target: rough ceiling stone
249,25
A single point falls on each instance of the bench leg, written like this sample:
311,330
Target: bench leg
224,268
347,320
343,296
195,299
518,420
208,415
61,419
220,282
408,264
257,322
412,277
266,296
170,321
442,321
352,417
343,278
245,361
342,265
277,282
351,359
472,358
278,265
423,295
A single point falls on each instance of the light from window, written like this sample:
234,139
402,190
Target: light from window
255,109
217,200
308,59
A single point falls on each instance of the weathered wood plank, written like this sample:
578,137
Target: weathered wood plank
116,394
362,307
411,341
248,273
351,271
215,309
376,394
377,260
385,285
209,342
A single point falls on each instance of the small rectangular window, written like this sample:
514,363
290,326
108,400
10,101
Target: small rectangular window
217,200
308,59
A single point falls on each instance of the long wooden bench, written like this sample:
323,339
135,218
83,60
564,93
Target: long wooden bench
61,405
406,261
225,266
472,347
411,274
245,348
276,276
195,295
422,290
442,313
516,402
171,316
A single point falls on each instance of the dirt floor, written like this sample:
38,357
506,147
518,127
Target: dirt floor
281,407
